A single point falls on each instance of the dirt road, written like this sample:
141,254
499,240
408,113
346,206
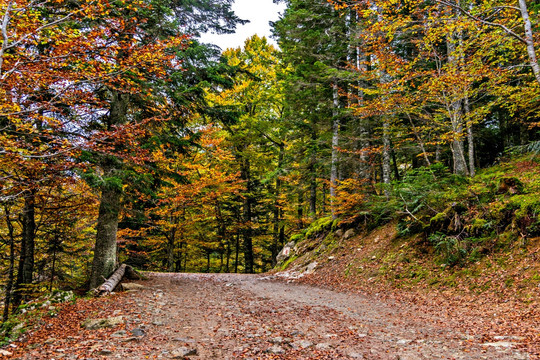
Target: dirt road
256,317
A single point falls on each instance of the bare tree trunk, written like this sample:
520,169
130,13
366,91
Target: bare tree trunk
109,208
456,116
227,269
237,252
247,217
386,156
11,270
170,251
529,39
277,207
312,190
26,258
107,226
335,144
470,138
53,266
363,128
300,209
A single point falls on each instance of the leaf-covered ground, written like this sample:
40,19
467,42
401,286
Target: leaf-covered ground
495,300
257,317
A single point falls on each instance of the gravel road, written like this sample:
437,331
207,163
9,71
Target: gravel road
217,316
257,317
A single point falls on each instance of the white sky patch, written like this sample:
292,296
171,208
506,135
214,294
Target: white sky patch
259,13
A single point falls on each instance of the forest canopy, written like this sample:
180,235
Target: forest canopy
124,139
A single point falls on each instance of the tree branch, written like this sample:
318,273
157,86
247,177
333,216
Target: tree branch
489,23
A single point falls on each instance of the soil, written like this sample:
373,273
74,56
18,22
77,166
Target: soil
227,316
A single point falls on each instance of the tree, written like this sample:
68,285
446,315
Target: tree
145,36
46,63
256,137
314,38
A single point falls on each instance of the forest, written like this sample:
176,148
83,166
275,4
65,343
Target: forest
124,139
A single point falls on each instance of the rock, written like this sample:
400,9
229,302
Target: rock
322,346
518,338
17,328
105,352
301,344
94,324
120,333
285,253
137,332
311,267
157,323
339,233
277,340
5,353
276,350
132,287
182,352
505,344
403,341
355,355
349,234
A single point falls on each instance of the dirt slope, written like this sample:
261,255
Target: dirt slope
254,317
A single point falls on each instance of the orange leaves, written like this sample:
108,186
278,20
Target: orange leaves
186,205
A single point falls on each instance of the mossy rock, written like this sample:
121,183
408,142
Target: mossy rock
94,324
510,185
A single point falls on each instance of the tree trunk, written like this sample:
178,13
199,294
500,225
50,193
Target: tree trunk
107,225
11,270
386,167
26,258
247,217
300,209
237,253
456,116
228,259
529,39
277,207
363,128
109,208
335,144
53,266
171,242
470,138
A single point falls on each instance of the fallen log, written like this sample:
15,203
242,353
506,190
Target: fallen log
133,274
109,285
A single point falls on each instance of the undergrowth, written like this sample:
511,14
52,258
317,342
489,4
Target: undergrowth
461,219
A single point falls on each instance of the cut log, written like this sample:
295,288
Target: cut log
111,282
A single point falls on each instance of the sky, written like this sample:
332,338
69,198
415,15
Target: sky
259,12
